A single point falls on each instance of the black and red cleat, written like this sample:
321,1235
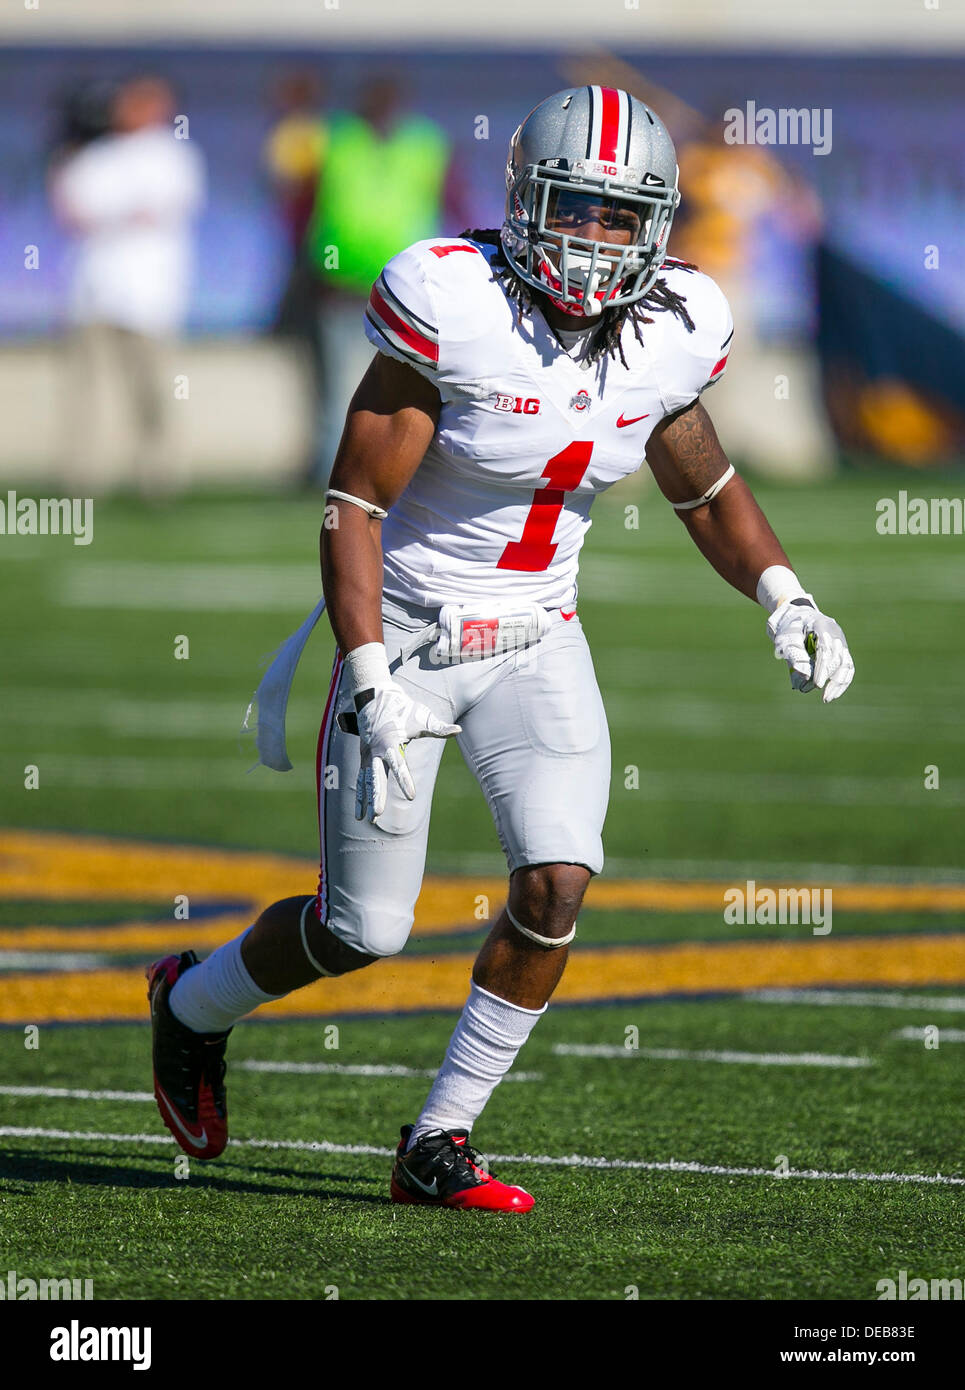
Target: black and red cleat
189,1068
441,1170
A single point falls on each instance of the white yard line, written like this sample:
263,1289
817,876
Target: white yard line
55,961
942,1003
953,1035
173,718
360,1069
298,1068
159,769
777,788
67,1093
215,587
622,578
677,1054
538,1160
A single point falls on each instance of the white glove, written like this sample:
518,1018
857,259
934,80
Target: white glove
386,723
814,647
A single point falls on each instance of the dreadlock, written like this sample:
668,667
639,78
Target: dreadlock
660,299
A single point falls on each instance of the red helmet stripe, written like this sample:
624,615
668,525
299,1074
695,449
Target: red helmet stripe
609,123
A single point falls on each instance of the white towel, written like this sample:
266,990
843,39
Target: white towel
272,696
275,687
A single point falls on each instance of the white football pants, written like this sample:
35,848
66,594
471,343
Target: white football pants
535,737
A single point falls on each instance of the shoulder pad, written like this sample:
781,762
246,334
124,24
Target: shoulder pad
401,317
694,360
432,303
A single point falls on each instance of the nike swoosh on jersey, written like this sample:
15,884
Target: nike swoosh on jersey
623,421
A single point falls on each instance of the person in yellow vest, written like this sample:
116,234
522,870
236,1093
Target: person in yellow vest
292,156
383,184
294,150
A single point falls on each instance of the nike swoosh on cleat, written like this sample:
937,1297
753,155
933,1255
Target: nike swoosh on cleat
198,1141
636,419
432,1191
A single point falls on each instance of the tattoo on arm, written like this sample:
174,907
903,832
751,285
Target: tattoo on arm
685,454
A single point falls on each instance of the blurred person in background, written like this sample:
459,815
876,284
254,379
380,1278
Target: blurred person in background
753,225
85,114
293,155
295,150
385,181
129,199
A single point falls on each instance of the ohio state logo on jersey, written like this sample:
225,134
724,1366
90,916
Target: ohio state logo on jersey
581,401
518,405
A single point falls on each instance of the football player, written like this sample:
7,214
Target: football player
518,374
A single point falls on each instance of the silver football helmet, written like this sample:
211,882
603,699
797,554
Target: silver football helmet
590,154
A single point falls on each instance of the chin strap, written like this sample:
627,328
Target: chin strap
576,311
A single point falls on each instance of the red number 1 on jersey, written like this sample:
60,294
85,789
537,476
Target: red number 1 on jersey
535,549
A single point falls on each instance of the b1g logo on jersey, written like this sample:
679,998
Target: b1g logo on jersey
518,405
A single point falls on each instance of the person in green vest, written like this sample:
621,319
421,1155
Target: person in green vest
384,183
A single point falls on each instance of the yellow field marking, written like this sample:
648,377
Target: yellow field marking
39,864
149,937
179,935
404,984
671,895
60,867
42,865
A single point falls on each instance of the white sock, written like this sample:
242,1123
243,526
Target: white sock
212,996
481,1051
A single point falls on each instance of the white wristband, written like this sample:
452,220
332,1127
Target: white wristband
778,584
367,666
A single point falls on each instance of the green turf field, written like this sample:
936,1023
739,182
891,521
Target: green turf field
732,777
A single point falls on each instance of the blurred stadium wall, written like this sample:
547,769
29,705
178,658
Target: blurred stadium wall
845,269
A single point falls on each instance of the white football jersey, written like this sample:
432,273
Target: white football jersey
528,434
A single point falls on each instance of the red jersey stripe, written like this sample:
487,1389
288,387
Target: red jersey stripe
408,335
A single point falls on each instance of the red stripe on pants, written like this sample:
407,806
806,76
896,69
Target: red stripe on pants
320,753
